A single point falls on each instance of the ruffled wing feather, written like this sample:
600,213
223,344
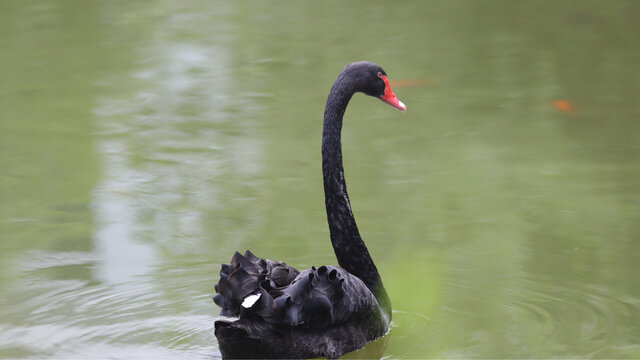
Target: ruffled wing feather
314,298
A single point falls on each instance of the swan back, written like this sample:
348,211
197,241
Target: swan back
321,311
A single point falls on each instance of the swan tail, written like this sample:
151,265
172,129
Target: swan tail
235,342
243,280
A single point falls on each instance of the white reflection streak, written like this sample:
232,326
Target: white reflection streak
122,258
159,202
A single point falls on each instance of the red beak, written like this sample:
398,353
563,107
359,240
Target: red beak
389,97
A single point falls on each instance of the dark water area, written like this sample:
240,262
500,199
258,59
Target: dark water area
142,143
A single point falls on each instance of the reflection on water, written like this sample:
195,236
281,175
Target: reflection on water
141,146
122,257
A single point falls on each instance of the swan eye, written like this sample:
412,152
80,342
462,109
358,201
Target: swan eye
380,75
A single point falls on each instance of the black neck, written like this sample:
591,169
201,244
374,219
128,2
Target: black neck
351,252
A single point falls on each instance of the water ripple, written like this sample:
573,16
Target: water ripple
79,318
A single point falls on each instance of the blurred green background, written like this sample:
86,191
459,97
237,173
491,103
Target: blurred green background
141,143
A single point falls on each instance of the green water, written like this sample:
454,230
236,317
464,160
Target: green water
141,143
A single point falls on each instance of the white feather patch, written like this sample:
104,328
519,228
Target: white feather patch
250,300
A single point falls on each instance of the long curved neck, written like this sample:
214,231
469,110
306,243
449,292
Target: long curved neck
350,250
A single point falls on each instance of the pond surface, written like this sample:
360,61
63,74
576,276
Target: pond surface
142,143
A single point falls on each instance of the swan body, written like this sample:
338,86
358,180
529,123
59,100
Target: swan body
320,312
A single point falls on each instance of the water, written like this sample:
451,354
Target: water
142,143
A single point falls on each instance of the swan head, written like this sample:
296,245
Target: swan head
371,79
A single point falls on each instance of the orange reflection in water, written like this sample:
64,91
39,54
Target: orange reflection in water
563,105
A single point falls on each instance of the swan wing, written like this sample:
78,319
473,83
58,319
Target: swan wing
242,280
251,287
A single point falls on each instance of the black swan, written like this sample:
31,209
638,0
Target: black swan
320,312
